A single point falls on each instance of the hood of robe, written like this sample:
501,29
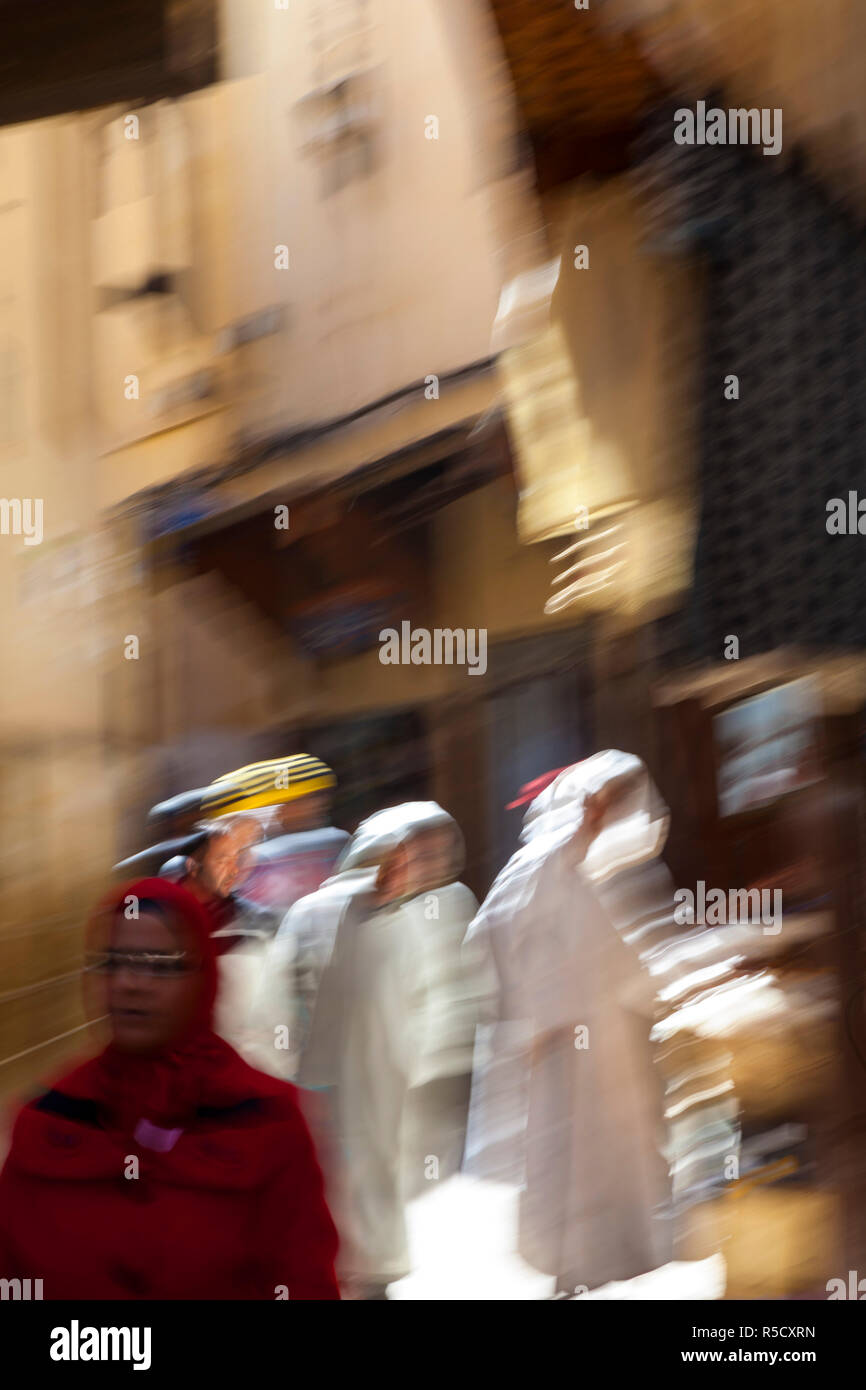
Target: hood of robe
635,826
385,830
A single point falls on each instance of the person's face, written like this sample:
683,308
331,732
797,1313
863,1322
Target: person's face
602,807
151,996
226,860
431,859
394,875
595,808
307,813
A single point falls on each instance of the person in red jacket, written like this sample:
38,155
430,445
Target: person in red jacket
165,1167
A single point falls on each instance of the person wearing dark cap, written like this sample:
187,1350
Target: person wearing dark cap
295,794
173,821
225,851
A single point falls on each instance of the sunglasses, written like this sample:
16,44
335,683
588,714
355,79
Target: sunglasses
156,965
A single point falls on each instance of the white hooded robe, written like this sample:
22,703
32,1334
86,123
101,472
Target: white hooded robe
595,1182
354,978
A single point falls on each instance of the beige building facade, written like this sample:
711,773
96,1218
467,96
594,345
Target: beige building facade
309,236
266,347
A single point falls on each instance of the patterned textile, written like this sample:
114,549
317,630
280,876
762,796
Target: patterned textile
269,783
784,311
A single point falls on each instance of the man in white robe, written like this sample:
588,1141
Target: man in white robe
594,1207
354,966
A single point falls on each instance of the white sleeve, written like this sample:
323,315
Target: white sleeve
275,1007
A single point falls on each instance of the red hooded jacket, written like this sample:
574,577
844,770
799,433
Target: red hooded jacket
228,1202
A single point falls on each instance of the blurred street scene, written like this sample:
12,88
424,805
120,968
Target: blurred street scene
431,542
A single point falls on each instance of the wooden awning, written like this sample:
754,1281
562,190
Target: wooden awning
583,77
580,88
59,57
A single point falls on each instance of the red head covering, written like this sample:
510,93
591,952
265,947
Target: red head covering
60,1208
195,1067
187,915
530,790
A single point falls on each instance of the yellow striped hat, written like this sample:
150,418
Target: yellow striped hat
269,783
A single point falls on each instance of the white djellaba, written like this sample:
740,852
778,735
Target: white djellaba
362,986
574,1002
